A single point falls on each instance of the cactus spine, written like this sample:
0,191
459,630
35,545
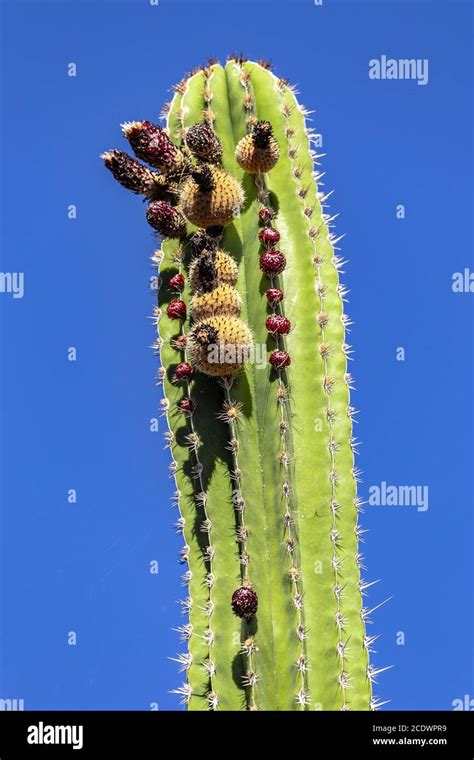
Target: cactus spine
262,452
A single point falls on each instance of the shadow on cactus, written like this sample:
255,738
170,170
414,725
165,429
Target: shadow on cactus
251,337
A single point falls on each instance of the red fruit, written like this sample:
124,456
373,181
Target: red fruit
279,359
151,143
129,172
278,325
165,219
183,371
266,214
269,236
272,262
176,310
244,603
187,405
274,296
177,282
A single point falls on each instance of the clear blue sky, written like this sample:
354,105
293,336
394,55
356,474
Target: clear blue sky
83,425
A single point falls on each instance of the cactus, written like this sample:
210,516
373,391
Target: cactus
260,433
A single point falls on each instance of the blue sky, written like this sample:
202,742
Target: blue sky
84,425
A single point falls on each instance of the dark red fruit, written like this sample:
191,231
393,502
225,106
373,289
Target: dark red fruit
129,172
279,359
278,325
272,262
177,282
183,371
269,236
165,219
176,310
187,405
266,214
151,143
244,603
274,296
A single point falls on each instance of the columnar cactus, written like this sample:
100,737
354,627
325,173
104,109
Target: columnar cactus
252,341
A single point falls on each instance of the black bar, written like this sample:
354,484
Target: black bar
156,734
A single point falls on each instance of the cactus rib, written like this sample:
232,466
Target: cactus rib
333,351
276,638
285,459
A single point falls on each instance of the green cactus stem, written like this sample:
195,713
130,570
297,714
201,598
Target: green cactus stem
261,440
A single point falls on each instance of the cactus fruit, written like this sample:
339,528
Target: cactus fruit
220,345
211,268
258,151
223,299
165,219
130,173
257,398
150,143
211,197
203,142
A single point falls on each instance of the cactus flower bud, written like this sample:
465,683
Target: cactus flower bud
176,310
269,236
266,214
187,405
183,371
244,603
274,296
272,262
278,325
177,282
279,359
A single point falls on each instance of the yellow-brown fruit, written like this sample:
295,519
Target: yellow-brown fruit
219,346
258,151
222,300
212,268
211,197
